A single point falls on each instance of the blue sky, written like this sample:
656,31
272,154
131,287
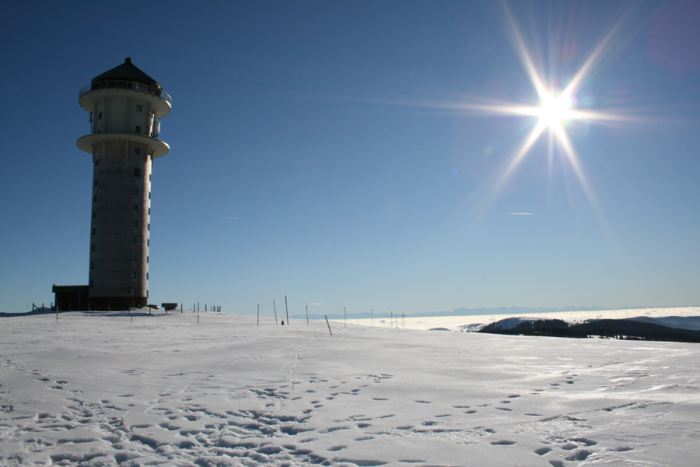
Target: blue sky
299,165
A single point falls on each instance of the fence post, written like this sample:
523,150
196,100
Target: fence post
328,324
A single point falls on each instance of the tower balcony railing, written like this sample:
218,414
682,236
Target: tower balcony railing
141,87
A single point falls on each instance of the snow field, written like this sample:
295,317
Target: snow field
103,391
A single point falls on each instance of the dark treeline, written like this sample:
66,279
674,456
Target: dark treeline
607,328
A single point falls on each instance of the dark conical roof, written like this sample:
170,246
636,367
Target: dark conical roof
127,71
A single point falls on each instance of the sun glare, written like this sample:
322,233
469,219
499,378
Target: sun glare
554,110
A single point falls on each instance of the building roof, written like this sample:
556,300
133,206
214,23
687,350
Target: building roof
69,288
127,71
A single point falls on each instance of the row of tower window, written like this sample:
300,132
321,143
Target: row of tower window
134,257
136,224
137,191
135,240
136,209
138,107
137,170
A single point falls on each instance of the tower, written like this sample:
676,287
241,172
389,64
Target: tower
125,106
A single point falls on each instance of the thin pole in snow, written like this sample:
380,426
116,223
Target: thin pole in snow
307,315
391,320
258,314
345,316
328,324
372,317
286,309
274,308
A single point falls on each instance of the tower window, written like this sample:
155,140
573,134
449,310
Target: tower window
149,195
97,161
137,150
138,129
135,275
136,207
94,199
139,108
99,115
137,172
95,182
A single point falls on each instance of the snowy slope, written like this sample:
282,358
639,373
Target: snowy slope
101,390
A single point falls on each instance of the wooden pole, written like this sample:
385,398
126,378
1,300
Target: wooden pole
286,309
328,324
258,314
307,316
274,308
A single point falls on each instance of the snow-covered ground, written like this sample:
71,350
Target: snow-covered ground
471,322
101,390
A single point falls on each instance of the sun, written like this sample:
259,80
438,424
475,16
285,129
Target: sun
554,110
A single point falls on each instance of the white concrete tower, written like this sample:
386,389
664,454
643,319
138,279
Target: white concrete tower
125,106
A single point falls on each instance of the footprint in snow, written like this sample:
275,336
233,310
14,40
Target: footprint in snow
581,455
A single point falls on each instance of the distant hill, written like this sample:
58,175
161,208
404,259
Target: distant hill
607,328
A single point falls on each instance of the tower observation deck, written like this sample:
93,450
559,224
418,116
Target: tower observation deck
125,106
